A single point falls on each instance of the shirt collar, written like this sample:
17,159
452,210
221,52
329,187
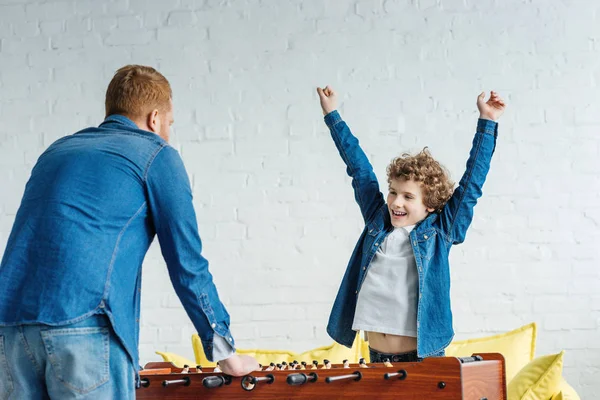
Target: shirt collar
120,119
408,229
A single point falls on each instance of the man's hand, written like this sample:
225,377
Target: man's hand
328,99
492,109
237,365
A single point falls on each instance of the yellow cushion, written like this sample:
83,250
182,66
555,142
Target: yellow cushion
178,360
336,353
538,380
565,392
517,347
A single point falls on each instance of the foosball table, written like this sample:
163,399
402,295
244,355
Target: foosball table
479,377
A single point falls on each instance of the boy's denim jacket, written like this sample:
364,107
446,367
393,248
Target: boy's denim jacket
431,239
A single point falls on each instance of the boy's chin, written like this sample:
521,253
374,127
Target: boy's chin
403,222
400,224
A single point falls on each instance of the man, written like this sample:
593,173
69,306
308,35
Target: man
70,278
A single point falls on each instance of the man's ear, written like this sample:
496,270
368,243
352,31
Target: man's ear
430,210
153,121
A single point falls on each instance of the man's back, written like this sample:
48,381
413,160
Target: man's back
83,218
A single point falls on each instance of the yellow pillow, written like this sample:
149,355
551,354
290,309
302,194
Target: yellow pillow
517,347
336,353
178,360
566,392
538,380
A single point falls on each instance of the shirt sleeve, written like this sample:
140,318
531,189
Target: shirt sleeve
172,213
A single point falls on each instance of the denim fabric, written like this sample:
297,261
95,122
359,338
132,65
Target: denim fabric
84,360
431,239
92,206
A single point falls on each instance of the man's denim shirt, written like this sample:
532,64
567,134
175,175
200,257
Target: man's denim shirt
431,239
91,208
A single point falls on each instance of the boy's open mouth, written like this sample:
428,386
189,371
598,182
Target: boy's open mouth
398,213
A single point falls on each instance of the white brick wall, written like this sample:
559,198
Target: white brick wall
275,209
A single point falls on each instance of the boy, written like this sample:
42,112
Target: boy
397,284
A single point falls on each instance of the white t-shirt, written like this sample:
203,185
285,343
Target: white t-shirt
387,301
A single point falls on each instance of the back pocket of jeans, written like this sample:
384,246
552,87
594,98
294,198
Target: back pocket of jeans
79,356
6,383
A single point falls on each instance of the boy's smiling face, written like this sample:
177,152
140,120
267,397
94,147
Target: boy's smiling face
405,203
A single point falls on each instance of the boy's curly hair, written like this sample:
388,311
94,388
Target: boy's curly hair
430,174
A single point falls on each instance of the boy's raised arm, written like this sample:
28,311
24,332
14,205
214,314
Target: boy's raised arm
364,181
457,214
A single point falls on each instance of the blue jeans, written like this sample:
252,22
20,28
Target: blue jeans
84,360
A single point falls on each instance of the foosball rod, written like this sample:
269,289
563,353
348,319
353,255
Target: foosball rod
185,382
356,376
402,374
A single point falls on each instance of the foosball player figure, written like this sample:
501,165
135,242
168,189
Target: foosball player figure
362,363
217,368
346,364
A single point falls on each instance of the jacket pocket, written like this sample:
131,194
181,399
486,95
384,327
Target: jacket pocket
79,356
426,241
373,229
